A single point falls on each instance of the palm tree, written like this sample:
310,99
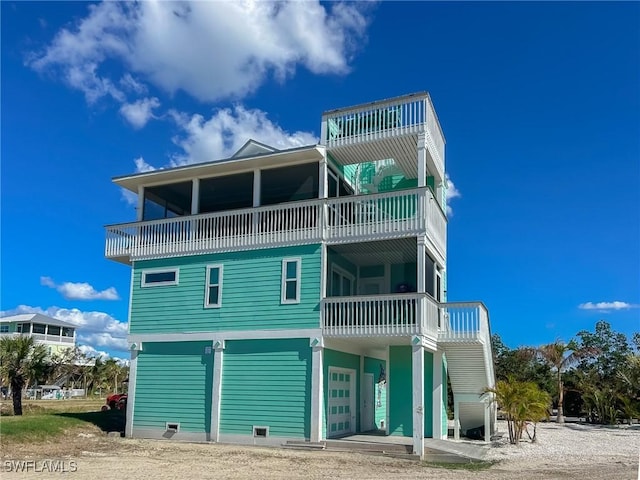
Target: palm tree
560,356
21,361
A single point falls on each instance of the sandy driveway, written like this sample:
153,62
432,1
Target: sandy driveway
570,452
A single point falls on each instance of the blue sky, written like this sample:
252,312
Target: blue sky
539,103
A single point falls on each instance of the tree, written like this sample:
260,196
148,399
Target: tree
560,356
521,402
521,364
21,362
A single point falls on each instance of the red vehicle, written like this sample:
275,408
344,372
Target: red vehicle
116,401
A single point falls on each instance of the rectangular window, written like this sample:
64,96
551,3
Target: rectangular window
53,330
67,332
213,287
290,280
39,328
4,328
157,278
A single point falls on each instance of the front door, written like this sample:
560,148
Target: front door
341,406
368,403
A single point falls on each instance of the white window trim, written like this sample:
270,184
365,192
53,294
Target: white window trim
143,275
220,268
283,285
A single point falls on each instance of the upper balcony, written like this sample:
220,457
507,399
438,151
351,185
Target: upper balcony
383,130
352,218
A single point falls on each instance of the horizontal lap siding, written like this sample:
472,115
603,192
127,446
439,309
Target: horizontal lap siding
174,384
266,383
251,293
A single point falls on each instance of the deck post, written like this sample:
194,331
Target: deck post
131,396
487,422
422,160
418,396
140,207
317,390
216,394
437,395
456,419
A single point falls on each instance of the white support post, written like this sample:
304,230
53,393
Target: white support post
417,372
437,395
323,186
256,187
140,207
388,391
317,390
195,196
421,285
487,422
323,132
216,394
456,419
362,400
131,393
422,160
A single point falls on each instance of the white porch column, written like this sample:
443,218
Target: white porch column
256,187
216,394
487,422
422,160
317,390
131,393
140,207
417,372
323,186
195,196
421,286
437,395
456,419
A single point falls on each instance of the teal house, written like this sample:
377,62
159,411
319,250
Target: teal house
301,294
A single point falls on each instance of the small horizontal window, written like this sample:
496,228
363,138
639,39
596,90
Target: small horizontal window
156,278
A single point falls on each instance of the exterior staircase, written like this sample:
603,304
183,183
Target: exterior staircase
466,339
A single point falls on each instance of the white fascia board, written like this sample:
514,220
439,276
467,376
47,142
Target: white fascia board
227,335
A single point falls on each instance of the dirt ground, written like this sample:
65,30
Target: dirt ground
93,455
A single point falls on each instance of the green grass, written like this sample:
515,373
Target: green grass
52,419
468,466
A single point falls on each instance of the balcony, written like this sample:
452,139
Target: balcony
385,129
380,315
42,337
354,218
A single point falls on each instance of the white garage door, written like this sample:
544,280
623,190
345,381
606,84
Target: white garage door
342,401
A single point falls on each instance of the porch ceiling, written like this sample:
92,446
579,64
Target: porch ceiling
371,346
403,149
401,250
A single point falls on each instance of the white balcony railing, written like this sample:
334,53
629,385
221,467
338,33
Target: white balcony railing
338,220
42,337
465,322
380,315
380,120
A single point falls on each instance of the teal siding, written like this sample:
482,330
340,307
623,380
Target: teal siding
400,392
174,384
372,365
333,358
250,293
267,383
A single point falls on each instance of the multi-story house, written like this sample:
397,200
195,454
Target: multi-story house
55,334
300,294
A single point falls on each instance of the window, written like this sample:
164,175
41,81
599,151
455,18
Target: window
53,330
4,328
167,201
67,332
213,287
289,184
38,328
290,280
341,282
157,278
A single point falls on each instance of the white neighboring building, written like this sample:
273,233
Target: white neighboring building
56,334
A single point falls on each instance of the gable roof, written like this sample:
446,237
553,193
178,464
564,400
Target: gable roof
253,147
36,318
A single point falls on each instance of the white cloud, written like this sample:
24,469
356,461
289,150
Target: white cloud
80,291
211,50
95,329
226,131
452,192
132,85
142,166
604,306
139,112
91,352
